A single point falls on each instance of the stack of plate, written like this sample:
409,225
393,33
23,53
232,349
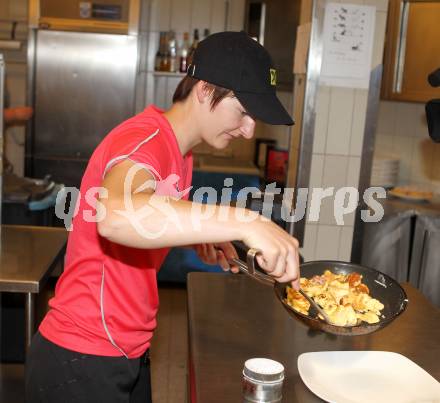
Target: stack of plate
385,171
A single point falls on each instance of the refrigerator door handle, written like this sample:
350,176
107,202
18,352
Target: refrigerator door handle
422,265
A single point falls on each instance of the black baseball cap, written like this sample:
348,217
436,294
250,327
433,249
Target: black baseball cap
235,61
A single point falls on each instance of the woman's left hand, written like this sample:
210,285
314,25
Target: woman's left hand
218,253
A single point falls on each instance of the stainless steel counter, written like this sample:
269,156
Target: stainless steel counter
233,318
27,257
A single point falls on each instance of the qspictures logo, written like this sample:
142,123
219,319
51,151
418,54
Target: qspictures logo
152,214
161,191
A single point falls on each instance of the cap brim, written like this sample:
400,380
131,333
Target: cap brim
265,107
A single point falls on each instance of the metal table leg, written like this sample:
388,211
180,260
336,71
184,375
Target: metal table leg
30,318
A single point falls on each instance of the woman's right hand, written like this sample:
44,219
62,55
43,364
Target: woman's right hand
279,250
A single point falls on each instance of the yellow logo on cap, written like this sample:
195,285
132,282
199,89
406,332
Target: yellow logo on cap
273,77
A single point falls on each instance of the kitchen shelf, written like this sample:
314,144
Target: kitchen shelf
10,44
167,74
226,165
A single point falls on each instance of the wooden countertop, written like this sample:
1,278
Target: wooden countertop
233,318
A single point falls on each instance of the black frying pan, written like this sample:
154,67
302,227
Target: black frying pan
382,287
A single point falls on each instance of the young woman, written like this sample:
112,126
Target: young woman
93,344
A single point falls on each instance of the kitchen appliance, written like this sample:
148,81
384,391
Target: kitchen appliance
424,270
82,68
382,287
262,19
387,244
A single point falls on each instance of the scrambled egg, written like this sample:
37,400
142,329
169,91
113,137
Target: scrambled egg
344,298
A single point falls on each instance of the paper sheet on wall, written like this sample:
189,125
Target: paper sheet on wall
347,45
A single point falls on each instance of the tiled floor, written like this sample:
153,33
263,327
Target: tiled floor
169,351
168,354
11,383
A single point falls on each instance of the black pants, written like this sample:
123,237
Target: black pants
56,375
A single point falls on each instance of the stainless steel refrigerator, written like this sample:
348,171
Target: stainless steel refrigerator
82,61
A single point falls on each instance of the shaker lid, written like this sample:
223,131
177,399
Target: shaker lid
264,370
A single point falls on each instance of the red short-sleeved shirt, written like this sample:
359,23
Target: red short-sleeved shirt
106,300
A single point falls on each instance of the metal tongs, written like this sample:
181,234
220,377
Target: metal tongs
249,269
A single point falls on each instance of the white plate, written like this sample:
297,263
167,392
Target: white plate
367,376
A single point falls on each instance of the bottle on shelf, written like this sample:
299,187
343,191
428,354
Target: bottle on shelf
172,49
183,53
158,60
193,46
206,33
165,64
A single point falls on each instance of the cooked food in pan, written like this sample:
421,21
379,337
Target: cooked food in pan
343,297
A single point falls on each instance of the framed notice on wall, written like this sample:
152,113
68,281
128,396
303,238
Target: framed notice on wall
347,45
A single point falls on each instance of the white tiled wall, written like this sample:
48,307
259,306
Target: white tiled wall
337,150
402,131
339,130
184,16
322,118
358,123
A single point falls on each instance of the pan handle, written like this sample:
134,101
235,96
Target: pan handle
250,268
